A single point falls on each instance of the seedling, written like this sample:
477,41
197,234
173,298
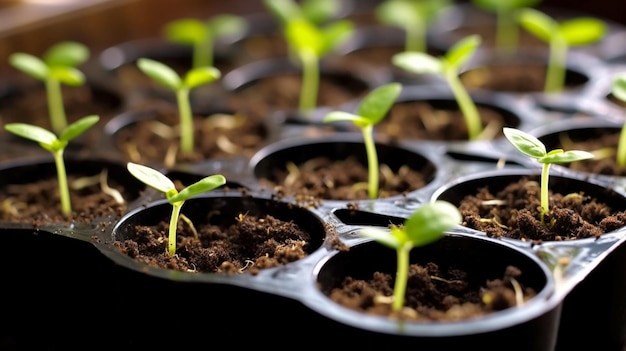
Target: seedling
413,17
201,35
310,42
560,36
619,92
507,33
533,147
448,67
162,183
57,66
49,141
316,11
182,87
371,110
425,226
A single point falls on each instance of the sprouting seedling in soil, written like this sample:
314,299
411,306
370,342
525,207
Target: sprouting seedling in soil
413,17
310,42
372,109
448,66
56,145
534,148
201,35
425,226
182,87
57,66
560,36
619,92
162,183
507,31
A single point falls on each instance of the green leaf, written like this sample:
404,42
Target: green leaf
381,236
79,127
320,11
227,24
302,34
334,35
462,50
205,184
151,177
375,105
283,10
160,72
66,54
538,24
335,116
566,157
494,5
201,75
187,31
582,31
619,86
525,143
397,13
430,221
418,62
31,132
29,64
68,75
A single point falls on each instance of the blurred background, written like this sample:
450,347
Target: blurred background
33,25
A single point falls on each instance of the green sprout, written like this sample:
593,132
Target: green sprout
57,66
619,92
534,148
448,67
372,109
560,36
426,225
309,41
201,35
162,183
413,17
182,86
507,33
49,141
316,11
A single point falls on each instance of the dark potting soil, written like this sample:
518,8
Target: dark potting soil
514,212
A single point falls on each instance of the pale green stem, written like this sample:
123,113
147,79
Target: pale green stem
466,104
621,147
310,81
64,192
186,121
415,38
506,32
545,201
56,109
402,274
555,77
203,54
171,240
372,160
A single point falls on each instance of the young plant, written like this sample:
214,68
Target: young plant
316,11
413,17
507,33
448,67
162,183
49,141
560,36
372,109
426,225
201,35
619,92
57,66
534,148
182,87
309,41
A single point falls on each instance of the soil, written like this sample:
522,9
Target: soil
433,294
216,136
516,214
423,120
